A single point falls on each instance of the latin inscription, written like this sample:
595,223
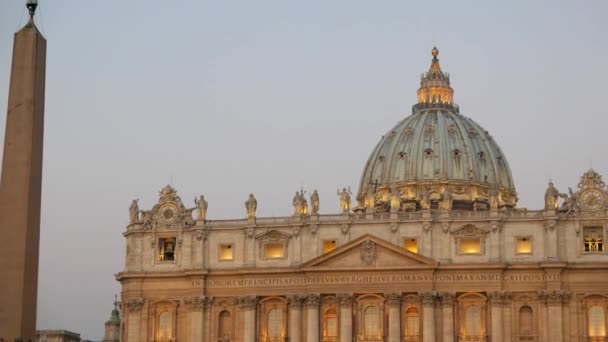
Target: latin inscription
380,279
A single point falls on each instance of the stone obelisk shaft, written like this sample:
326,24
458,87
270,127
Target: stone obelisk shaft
20,187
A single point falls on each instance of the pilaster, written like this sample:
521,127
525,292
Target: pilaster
447,316
393,301
346,317
497,302
295,318
312,318
428,316
248,305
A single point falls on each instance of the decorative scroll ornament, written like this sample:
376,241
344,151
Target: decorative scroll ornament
591,180
368,252
170,211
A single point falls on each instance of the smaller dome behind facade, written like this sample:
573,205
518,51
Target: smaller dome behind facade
436,158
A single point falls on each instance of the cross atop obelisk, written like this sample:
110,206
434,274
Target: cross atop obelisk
20,185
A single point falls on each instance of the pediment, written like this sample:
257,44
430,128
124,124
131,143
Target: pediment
469,230
367,252
273,235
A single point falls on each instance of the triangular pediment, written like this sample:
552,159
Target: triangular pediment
369,251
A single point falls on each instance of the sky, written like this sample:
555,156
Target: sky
227,98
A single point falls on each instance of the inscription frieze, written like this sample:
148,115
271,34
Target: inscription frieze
379,279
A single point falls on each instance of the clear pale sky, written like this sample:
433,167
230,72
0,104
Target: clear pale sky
226,98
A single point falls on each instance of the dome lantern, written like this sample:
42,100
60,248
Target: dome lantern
435,85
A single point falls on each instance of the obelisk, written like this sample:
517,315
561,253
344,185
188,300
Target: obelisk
20,185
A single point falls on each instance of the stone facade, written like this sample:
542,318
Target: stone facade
421,265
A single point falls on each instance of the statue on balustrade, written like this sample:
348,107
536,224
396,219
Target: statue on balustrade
134,212
551,196
344,200
202,205
314,202
251,205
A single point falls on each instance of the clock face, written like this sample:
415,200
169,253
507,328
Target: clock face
167,213
592,199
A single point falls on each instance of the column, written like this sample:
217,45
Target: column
346,317
393,301
247,305
497,302
195,313
447,316
312,318
428,316
295,318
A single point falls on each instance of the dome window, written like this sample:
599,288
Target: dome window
402,154
456,153
381,158
428,152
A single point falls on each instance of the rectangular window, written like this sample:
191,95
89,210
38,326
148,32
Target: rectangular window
226,252
523,245
274,250
470,246
411,245
593,239
329,245
166,249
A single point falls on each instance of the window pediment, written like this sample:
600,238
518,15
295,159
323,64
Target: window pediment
273,236
469,230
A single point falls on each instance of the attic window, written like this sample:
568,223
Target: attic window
274,250
329,245
226,252
524,245
411,245
468,246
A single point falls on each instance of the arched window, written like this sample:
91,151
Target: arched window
597,321
224,326
275,323
165,327
371,320
526,326
412,322
330,323
472,320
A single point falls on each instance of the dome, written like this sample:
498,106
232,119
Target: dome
436,158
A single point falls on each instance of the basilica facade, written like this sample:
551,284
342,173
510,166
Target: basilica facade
432,247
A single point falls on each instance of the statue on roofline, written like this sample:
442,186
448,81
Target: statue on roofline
251,205
134,212
314,202
551,197
344,196
202,206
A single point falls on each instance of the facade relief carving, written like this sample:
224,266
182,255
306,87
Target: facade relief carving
368,252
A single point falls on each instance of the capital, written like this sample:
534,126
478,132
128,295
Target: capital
247,302
312,300
196,303
393,298
134,304
428,298
447,298
345,298
500,297
295,301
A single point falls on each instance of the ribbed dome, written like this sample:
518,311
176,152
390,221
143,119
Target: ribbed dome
436,157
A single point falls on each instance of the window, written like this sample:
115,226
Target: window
165,327
275,324
371,320
411,245
166,249
330,324
470,246
525,322
523,245
226,252
329,245
412,323
593,239
473,320
274,250
597,322
224,326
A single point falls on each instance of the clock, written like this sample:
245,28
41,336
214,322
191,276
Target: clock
167,213
592,199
